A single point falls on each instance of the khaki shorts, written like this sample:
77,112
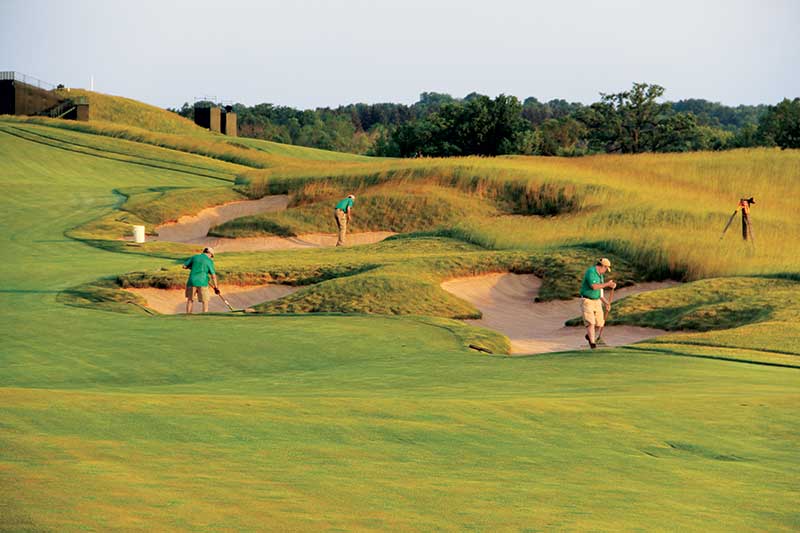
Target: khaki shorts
203,294
592,311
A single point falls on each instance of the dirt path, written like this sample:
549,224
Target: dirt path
173,301
193,229
506,301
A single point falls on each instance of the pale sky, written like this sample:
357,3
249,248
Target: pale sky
314,53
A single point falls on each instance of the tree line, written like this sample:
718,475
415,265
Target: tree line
439,125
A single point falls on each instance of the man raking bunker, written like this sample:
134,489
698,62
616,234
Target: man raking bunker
343,214
592,300
202,268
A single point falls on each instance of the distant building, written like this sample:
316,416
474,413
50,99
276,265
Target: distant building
25,95
216,118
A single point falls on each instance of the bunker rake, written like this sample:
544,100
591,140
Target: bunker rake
228,304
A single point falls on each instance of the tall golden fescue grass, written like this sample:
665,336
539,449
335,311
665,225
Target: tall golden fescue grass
666,211
124,111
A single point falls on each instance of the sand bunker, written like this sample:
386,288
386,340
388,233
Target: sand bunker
193,229
173,301
506,301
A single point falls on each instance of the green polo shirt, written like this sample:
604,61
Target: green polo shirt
591,277
202,266
344,204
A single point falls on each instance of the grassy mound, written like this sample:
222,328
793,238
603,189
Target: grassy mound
382,208
208,145
736,312
125,111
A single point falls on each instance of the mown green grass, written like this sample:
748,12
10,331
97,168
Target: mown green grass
127,151
575,442
118,421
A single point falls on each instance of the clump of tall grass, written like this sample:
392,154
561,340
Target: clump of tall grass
517,195
381,208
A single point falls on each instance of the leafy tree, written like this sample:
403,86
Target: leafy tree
634,115
633,122
562,136
747,135
781,124
477,125
536,112
717,115
678,133
508,126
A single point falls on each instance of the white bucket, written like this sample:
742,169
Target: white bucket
138,234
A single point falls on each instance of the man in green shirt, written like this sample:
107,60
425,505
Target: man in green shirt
343,215
202,267
592,300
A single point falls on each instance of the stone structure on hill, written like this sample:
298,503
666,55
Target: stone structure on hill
214,118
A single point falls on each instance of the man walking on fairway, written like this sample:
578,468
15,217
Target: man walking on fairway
343,215
592,300
202,267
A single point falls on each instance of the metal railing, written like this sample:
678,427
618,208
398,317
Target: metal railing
59,110
211,101
30,80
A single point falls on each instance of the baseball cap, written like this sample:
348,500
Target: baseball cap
209,251
605,262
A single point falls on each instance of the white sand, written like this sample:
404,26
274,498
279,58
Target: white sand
193,229
173,301
506,301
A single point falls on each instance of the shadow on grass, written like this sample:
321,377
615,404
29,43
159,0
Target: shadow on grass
27,291
741,357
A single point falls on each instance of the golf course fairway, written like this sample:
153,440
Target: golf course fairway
326,422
